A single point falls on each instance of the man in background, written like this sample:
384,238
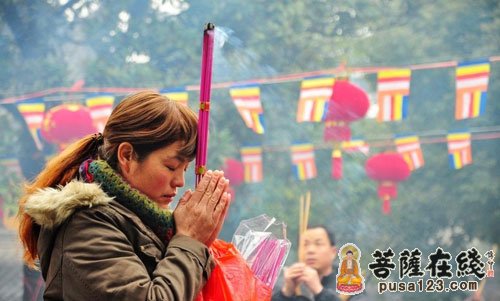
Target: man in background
315,276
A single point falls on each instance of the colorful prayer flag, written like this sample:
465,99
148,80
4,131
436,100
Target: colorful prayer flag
251,156
409,148
100,107
247,100
315,93
304,165
459,149
176,94
393,89
33,112
472,86
356,145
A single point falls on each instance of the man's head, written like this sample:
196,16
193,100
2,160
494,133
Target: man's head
349,254
319,248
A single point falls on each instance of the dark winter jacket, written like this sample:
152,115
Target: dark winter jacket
93,248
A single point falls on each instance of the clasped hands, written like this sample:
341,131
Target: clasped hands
200,214
297,274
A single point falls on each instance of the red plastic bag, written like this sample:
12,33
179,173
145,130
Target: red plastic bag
232,279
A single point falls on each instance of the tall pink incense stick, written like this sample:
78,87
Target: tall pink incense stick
205,89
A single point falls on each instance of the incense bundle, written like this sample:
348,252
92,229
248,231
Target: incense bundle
305,205
205,89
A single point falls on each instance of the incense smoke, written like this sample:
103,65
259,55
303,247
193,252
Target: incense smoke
233,61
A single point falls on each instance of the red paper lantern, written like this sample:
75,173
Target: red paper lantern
337,164
67,123
348,103
387,169
234,171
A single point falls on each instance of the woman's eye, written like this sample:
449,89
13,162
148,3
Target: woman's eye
171,168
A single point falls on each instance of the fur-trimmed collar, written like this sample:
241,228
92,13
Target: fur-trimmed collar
50,207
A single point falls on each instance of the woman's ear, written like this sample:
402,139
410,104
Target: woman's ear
125,155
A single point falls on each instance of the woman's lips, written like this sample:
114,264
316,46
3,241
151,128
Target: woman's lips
165,200
168,196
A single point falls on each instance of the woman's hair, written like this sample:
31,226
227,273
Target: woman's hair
146,120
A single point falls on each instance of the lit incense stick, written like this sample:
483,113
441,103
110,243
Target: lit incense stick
205,89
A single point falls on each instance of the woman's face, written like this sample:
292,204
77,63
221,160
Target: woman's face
159,175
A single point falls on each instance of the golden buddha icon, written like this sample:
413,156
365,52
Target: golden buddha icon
349,278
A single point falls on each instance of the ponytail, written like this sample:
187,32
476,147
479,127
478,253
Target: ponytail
58,171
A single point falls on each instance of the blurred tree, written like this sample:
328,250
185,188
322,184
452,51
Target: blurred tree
157,44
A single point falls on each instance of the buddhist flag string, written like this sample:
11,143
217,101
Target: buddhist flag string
179,94
251,156
356,145
100,107
459,149
472,86
33,112
393,89
409,148
246,98
315,92
304,165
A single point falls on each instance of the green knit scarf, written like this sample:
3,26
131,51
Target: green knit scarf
160,221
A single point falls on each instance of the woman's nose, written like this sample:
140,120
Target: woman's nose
178,180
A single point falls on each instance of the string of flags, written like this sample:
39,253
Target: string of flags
409,148
472,85
315,92
247,101
393,87
100,108
303,162
304,165
179,94
393,94
459,149
33,113
251,156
